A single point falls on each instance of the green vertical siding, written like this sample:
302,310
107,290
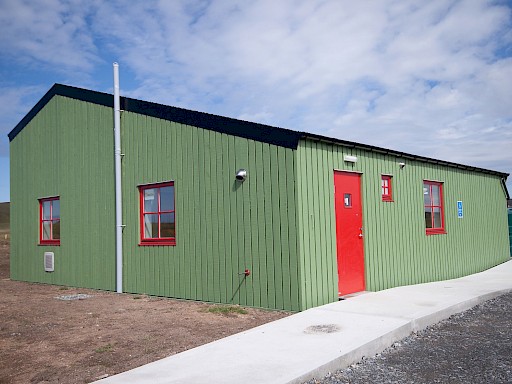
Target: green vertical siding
66,150
222,226
397,250
279,223
316,226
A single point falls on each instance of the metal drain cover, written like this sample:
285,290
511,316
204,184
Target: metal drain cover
79,296
323,328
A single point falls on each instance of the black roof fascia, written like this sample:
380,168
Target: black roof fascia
248,130
259,132
67,91
404,155
254,131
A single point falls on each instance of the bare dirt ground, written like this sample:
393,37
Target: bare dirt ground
47,340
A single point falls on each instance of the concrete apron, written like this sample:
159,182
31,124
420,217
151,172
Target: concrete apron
320,340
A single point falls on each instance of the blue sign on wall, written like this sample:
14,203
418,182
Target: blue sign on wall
460,211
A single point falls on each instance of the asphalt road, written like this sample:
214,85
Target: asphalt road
474,346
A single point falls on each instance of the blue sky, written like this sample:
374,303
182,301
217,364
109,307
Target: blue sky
433,78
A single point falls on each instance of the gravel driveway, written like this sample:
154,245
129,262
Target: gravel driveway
474,346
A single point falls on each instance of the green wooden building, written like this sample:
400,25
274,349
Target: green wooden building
223,210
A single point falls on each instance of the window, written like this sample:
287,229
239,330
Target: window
386,188
347,200
157,215
49,221
434,211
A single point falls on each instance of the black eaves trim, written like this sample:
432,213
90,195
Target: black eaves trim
254,131
259,132
67,91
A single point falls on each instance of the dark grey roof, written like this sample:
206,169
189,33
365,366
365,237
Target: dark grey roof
259,132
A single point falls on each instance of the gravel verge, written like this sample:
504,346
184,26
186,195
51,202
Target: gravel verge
474,346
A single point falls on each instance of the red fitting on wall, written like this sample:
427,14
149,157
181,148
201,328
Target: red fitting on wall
247,272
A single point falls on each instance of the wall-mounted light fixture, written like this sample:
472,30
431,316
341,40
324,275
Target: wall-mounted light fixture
350,158
241,174
402,165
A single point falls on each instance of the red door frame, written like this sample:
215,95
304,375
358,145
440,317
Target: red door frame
349,232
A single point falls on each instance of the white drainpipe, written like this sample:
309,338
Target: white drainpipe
119,205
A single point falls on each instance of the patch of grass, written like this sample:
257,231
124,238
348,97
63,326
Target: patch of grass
105,348
137,297
226,309
63,288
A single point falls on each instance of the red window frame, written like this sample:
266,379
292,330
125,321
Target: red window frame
430,207
51,219
386,187
159,239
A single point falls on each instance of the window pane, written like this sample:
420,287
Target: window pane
151,226
46,230
46,210
347,200
150,200
55,209
167,198
437,218
426,195
167,226
385,186
428,217
436,194
56,230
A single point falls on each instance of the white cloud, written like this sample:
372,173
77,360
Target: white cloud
49,33
432,78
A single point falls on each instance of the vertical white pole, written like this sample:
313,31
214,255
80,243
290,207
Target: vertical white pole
119,205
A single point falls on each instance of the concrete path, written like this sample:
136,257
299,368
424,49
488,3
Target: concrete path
311,343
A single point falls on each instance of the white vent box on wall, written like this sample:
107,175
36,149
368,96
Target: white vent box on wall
350,159
49,260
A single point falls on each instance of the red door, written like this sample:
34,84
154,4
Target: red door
349,232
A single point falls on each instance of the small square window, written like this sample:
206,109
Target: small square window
347,200
49,221
157,214
386,188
